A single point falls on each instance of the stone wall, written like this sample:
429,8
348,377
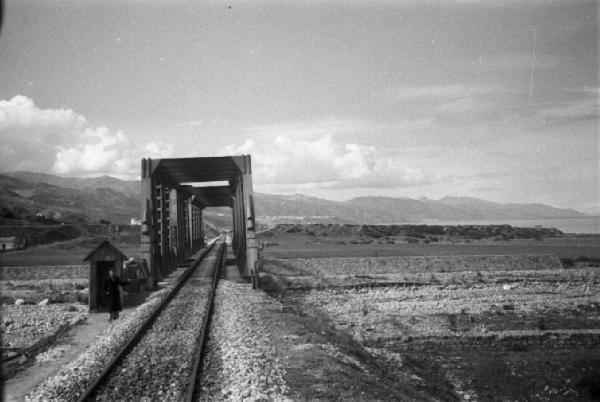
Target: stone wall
516,341
396,265
45,272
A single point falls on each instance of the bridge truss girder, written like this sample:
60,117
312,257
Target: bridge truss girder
172,217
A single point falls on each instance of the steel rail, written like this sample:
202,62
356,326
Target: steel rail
192,389
88,394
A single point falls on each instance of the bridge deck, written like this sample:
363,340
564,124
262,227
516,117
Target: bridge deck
230,270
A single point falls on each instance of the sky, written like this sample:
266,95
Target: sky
491,99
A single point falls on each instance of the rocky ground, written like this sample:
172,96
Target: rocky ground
34,290
241,362
26,325
70,380
159,365
487,332
361,329
262,349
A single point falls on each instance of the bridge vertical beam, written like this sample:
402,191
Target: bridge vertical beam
196,225
174,212
236,219
190,225
185,241
238,228
162,193
201,227
181,227
233,219
149,235
249,220
239,245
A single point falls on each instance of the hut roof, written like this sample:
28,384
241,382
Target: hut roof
105,247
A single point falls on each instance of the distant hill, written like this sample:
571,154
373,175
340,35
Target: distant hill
129,187
387,210
34,198
108,198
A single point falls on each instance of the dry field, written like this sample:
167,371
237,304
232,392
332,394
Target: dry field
52,272
28,328
294,245
39,306
495,327
68,252
58,284
491,320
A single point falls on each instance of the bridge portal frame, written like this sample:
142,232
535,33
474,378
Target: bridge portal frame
172,211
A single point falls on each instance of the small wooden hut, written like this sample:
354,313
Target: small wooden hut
102,259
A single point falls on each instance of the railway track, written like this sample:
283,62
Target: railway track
162,359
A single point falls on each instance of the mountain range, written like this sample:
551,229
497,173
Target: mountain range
387,210
33,195
115,200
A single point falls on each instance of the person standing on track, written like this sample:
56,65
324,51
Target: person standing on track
111,287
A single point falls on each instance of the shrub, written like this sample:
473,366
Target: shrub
452,322
518,347
581,260
82,297
6,213
567,262
541,324
58,298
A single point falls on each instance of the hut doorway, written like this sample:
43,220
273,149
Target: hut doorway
102,268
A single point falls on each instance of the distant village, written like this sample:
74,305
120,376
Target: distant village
22,239
13,243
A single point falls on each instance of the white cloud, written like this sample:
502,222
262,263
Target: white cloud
516,61
311,130
594,91
63,142
99,153
465,107
324,163
20,111
190,124
575,110
156,150
409,92
356,162
384,136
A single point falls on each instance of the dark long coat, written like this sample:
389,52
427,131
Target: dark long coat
111,287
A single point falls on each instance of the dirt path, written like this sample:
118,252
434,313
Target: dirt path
75,341
48,363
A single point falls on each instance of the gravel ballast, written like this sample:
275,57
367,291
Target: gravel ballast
71,381
241,362
158,367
